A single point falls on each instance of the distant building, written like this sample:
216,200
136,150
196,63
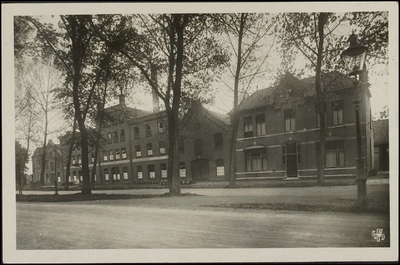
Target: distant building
279,129
381,145
54,166
135,147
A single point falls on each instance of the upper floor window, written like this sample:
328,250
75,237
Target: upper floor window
73,162
115,137
149,149
218,141
162,148
122,135
117,156
79,159
148,130
111,154
260,124
138,151
198,147
337,112
91,157
161,127
105,155
248,126
109,138
289,120
136,132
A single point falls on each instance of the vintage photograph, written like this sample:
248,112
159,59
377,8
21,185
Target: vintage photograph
183,132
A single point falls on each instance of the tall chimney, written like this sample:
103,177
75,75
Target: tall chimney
156,101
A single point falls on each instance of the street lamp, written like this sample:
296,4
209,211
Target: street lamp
354,59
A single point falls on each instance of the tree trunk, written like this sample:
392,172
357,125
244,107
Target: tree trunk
235,119
28,140
86,188
44,150
70,149
321,100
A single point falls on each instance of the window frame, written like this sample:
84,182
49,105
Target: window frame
248,126
260,126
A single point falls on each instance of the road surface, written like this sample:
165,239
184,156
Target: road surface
184,222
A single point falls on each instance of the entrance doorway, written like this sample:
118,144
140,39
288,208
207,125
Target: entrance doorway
200,169
291,154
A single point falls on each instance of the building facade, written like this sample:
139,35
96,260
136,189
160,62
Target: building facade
54,165
279,129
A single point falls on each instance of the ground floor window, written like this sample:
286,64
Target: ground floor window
115,173
151,171
58,177
220,167
182,170
106,176
334,154
125,173
256,160
139,172
163,170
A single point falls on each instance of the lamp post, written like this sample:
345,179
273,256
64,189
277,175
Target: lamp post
354,59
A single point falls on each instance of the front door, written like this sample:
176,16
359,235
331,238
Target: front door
291,165
200,170
291,159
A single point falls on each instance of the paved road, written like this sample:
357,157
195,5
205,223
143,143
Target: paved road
183,222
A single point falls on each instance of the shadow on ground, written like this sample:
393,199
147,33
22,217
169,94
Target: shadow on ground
89,197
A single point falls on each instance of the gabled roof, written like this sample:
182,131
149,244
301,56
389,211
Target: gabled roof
381,131
290,89
121,111
224,118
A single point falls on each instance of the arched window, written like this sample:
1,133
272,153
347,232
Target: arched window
136,132
161,127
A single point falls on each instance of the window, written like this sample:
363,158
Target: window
139,172
337,112
115,173
151,171
73,162
164,170
198,147
260,124
182,170
117,156
123,152
125,173
148,130
111,154
248,126
79,159
220,167
289,120
136,132
181,145
138,151
105,155
149,149
115,137
162,148
122,135
256,160
218,141
58,177
334,154
161,127
75,177
109,138
91,158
